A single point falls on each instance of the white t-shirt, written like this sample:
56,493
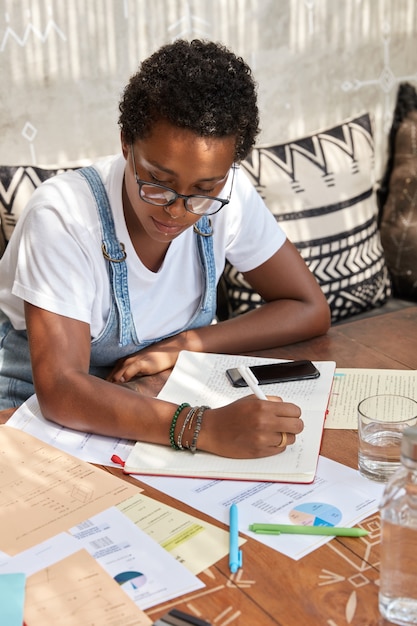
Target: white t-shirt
54,258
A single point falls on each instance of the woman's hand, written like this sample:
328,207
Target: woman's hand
250,428
154,359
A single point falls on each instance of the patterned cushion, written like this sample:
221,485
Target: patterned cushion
398,196
17,183
2,241
321,189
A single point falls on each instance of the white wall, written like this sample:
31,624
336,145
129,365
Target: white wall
63,64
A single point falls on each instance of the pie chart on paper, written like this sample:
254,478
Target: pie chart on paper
130,580
315,514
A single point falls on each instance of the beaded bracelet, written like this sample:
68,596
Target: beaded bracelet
173,423
198,422
189,418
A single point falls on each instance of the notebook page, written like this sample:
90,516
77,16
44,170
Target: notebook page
199,378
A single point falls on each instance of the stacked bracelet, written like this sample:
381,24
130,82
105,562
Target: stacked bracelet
190,423
173,423
188,419
198,422
196,412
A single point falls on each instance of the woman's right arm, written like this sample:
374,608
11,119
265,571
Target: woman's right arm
70,396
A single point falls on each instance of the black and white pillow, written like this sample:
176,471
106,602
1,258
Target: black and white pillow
17,184
321,189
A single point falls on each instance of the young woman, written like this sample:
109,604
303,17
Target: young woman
112,270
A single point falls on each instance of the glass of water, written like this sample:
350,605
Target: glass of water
381,422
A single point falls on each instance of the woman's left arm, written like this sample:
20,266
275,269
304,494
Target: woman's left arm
295,306
295,309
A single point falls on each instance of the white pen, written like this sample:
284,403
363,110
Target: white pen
252,382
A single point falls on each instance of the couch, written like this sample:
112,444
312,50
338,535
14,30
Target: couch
322,190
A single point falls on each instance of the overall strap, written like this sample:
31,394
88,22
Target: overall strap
114,253
204,234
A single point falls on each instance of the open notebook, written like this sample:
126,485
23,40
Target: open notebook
200,378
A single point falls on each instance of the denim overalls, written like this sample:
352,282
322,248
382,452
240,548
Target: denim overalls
118,338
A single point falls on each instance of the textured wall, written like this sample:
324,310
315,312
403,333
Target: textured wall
63,64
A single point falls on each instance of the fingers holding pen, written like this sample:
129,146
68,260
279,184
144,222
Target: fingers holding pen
286,435
283,417
279,423
251,428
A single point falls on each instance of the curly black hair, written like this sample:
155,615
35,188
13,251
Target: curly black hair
198,85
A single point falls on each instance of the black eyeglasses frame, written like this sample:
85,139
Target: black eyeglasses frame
141,183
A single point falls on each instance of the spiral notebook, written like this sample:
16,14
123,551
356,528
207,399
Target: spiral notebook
200,378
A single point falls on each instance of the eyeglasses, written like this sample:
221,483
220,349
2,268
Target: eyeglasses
161,195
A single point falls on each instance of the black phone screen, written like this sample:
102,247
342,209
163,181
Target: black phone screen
276,373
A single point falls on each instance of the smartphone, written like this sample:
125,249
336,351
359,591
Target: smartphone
276,373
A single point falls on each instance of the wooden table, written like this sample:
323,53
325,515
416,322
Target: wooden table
336,585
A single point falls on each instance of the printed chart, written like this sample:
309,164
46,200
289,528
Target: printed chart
315,514
133,580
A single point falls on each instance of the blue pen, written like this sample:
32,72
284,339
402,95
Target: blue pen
235,555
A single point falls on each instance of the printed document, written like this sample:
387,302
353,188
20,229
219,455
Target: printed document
339,496
48,491
353,385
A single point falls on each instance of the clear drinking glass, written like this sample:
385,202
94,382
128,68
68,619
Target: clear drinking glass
382,420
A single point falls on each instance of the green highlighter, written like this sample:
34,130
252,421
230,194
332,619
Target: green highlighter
291,529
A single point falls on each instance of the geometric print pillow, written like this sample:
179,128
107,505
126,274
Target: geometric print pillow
17,184
320,188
